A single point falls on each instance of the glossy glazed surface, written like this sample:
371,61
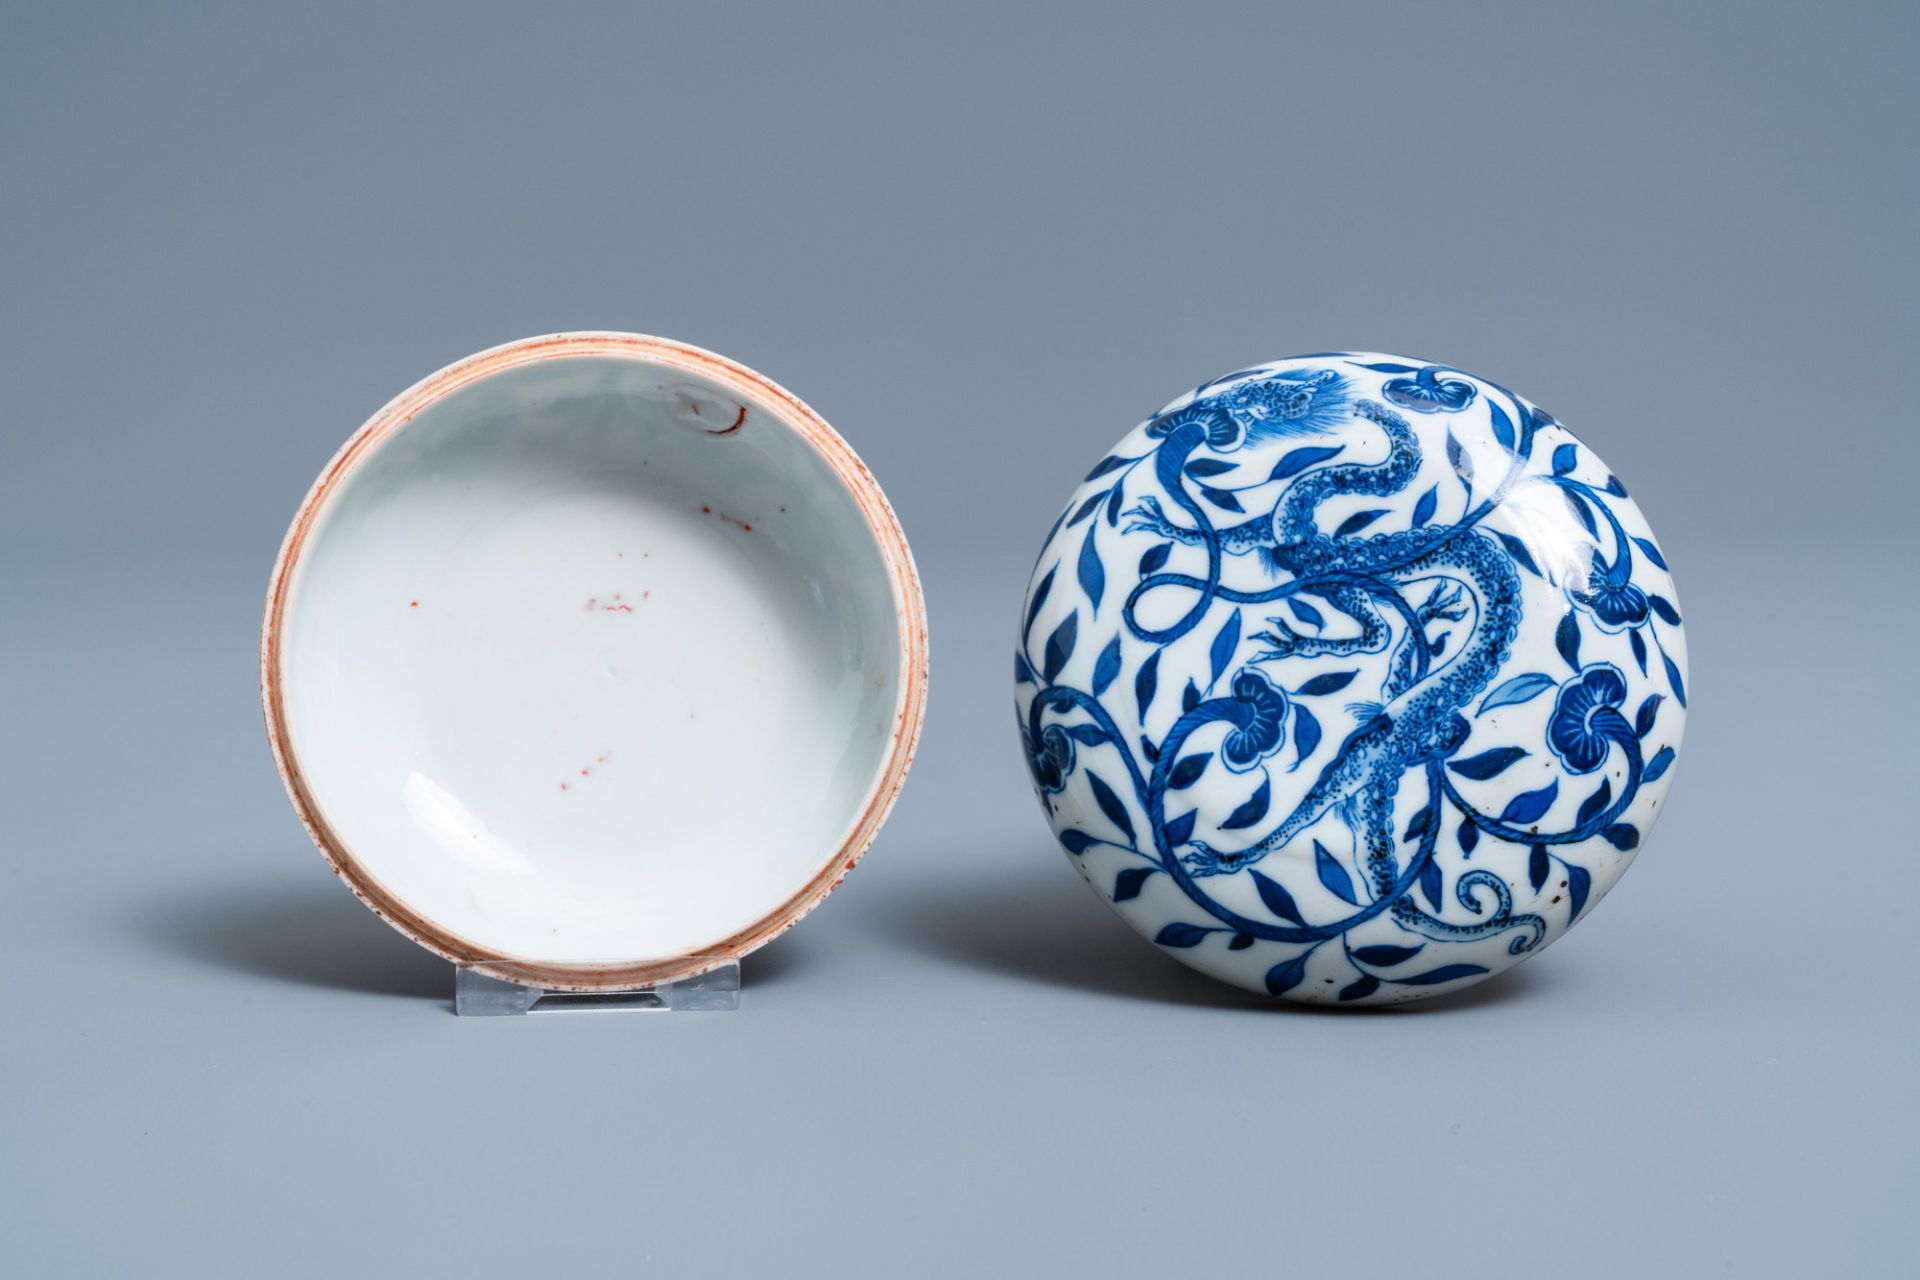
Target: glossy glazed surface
597,661
1351,678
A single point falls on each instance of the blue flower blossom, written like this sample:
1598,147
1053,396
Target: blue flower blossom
1614,606
1577,730
1050,759
1427,392
1223,433
1258,712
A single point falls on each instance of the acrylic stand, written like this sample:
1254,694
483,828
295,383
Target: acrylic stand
477,995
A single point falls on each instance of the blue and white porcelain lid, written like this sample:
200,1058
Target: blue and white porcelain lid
1351,678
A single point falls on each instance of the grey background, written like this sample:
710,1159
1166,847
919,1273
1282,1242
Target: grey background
983,241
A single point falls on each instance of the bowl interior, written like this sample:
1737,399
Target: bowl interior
595,659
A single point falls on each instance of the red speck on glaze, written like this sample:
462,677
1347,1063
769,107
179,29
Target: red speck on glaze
413,604
735,521
563,786
583,773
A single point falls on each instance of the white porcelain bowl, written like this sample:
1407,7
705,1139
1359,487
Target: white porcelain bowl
594,660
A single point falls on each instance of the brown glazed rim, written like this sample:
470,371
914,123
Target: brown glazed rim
753,390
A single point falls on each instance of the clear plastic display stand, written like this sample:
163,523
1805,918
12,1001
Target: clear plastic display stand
477,995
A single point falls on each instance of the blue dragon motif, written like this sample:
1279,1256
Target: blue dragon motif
1434,610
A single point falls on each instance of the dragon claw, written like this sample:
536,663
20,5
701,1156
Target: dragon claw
1206,860
1147,516
1282,637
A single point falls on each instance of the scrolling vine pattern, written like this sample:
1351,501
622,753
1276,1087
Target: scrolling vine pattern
1417,602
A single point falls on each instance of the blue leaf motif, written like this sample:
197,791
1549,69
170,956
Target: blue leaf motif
1190,696
1385,957
1487,764
1287,975
1276,898
1127,884
1146,682
1114,504
1423,510
1579,883
1093,575
1643,719
1664,607
1658,766
1086,508
1306,612
1566,638
1462,464
1112,462
1639,647
1651,552
1022,672
1502,425
1187,770
1299,460
1333,875
1060,646
1181,935
1252,811
1306,734
1593,804
1537,867
1623,836
1563,460
1673,680
1204,467
1360,989
1328,682
1154,558
1358,521
1222,498
1107,669
1432,884
1469,836
1531,806
1521,556
1445,973
1077,841
1241,941
1110,804
1580,509
1516,691
1039,598
1180,829
1224,644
